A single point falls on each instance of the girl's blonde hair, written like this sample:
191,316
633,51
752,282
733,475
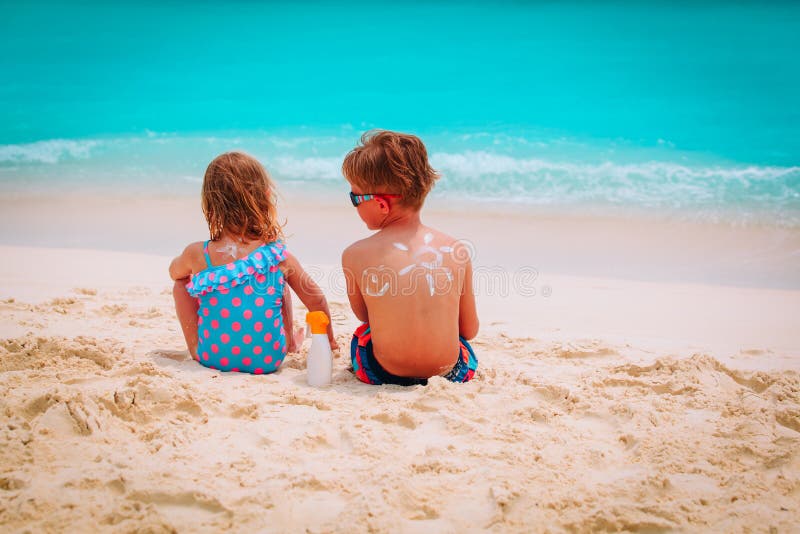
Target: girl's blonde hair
239,198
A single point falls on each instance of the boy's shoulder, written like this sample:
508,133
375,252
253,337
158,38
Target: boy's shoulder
440,236
357,250
379,244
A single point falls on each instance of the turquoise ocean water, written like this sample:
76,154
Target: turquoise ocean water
690,109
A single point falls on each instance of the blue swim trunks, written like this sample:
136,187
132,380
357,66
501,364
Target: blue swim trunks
369,371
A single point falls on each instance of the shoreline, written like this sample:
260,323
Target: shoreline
333,194
584,245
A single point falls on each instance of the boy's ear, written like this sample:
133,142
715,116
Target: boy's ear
382,204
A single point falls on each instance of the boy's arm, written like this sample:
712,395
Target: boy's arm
467,312
306,290
354,295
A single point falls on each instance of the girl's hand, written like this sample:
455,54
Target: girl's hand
295,341
307,290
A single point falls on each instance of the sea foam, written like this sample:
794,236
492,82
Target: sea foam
574,176
50,151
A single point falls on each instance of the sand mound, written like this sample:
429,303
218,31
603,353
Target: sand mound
33,352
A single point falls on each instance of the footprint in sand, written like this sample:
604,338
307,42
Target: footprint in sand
301,400
319,511
37,406
403,418
150,313
62,305
789,419
186,508
582,349
9,483
113,309
144,399
88,291
174,355
248,410
77,416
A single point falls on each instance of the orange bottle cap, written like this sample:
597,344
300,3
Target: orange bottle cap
318,322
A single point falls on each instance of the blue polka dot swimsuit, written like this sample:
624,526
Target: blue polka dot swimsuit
239,320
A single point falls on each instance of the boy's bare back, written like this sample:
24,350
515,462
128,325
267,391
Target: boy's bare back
410,281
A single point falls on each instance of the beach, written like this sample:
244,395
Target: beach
625,177
600,403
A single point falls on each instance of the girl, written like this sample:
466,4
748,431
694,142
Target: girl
230,291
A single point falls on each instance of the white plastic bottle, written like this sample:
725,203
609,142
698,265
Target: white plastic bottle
320,359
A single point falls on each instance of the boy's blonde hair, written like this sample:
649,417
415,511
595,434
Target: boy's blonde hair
239,198
391,162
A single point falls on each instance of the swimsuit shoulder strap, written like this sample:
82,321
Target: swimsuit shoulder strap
205,253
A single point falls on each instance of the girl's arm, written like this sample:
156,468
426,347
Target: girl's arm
293,339
182,266
180,269
467,312
288,319
307,291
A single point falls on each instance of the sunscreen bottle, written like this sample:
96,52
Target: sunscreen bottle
320,360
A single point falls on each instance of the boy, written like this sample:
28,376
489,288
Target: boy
411,285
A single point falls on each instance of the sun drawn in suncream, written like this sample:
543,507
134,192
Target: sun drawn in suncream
373,283
430,267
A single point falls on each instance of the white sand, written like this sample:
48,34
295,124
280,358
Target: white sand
607,405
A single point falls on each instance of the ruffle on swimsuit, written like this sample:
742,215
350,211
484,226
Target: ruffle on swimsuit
252,268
